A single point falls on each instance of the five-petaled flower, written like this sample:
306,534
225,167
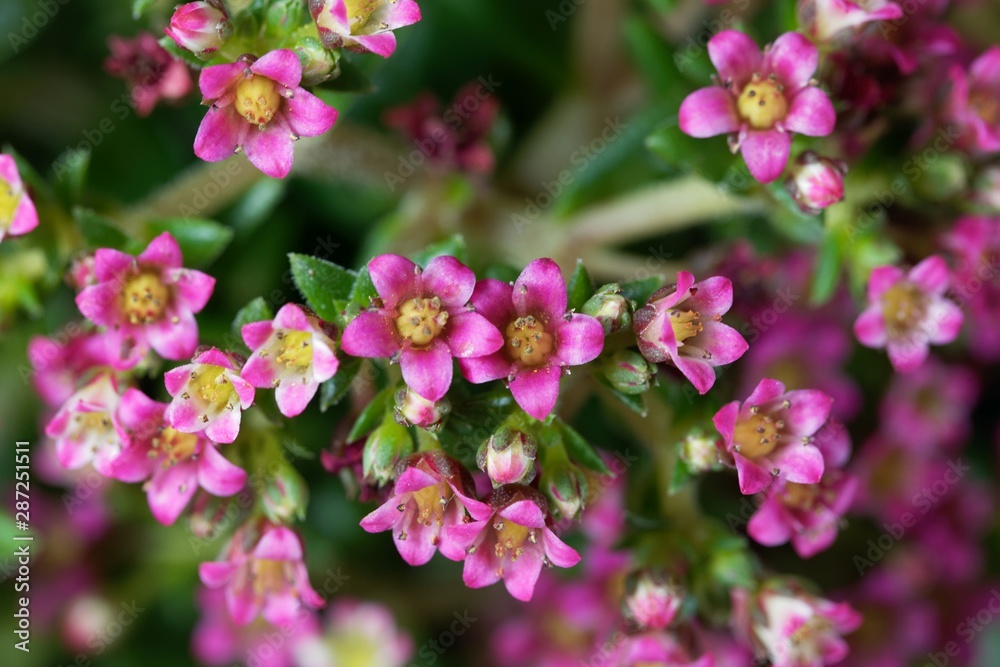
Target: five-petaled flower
362,25
760,99
907,312
151,72
681,325
973,102
86,428
292,353
208,394
541,338
146,301
257,105
423,321
17,210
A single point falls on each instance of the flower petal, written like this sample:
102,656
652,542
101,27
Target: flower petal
769,525
172,339
811,113
558,552
163,252
194,288
450,280
255,334
221,132
272,149
766,153
699,373
170,490
540,291
881,279
218,475
395,278
225,427
870,329
370,334
294,396
427,370
793,58
752,477
944,321
309,116
931,275
469,334
708,112
216,81
809,410
520,577
478,370
493,299
735,55
799,463
579,340
536,390
25,217
281,65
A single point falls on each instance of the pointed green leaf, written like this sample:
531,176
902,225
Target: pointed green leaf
333,390
580,287
581,451
372,415
201,241
326,286
98,232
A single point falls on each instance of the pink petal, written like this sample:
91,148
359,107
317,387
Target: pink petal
536,390
808,411
194,288
464,535
540,291
793,58
138,412
133,464
752,477
708,112
281,609
294,397
735,56
217,475
413,480
170,490
493,300
578,341
725,343
224,428
769,524
427,370
766,390
524,513
279,544
216,81
99,303
417,547
450,280
869,328
109,264
221,132
766,153
811,542
174,340
469,334
395,278
291,316
8,170
213,356
176,379
384,518
271,149
712,296
325,363
520,577
725,420
881,279
309,116
478,370
811,113
370,334
216,574
931,275
255,334
799,463
907,356
163,252
698,372
383,44
481,568
281,65
25,217
944,321
559,553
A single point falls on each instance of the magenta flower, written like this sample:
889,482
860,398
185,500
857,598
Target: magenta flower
807,514
293,354
151,72
422,322
178,462
359,634
816,182
541,337
760,100
771,435
58,366
430,495
362,26
200,27
972,102
146,301
86,428
975,244
258,105
263,574
907,312
509,540
652,601
826,19
17,212
682,325
209,395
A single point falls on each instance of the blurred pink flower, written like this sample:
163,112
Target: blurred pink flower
86,428
362,26
17,211
151,72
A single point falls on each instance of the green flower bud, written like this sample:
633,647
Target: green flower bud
611,309
629,372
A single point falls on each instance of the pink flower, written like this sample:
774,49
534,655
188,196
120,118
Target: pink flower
60,363
816,182
362,634
652,601
541,337
508,457
178,462
263,573
655,648
975,244
293,354
200,27
826,19
423,321
146,301
86,428
17,211
807,514
682,324
771,435
762,98
152,73
509,540
430,495
412,409
208,394
972,102
258,105
362,26
908,311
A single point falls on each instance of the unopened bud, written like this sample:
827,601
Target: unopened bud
286,495
386,445
651,601
412,409
629,372
508,457
318,63
611,309
200,27
816,182
566,487
700,452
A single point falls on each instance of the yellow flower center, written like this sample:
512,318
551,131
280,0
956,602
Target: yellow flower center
93,422
903,306
145,298
762,103
215,392
257,100
510,538
685,324
421,320
9,199
800,496
269,576
528,342
986,106
173,446
296,349
358,11
758,435
431,502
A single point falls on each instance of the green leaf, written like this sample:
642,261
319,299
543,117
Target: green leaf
257,310
170,46
684,154
140,7
640,290
654,59
201,241
453,247
372,415
581,451
325,285
333,390
580,287
680,476
363,290
70,175
828,269
98,232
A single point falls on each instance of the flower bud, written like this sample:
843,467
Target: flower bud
508,457
318,63
611,309
566,487
285,496
412,409
700,452
84,617
200,27
387,444
651,601
816,182
629,372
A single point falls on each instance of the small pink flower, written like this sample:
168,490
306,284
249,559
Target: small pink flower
771,435
655,648
429,495
816,182
362,26
258,105
60,363
907,312
542,339
200,27
508,457
146,301
423,321
682,325
975,244
263,573
825,19
152,73
17,211
293,354
972,102
209,395
412,409
509,540
86,428
760,100
362,634
652,601
178,462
